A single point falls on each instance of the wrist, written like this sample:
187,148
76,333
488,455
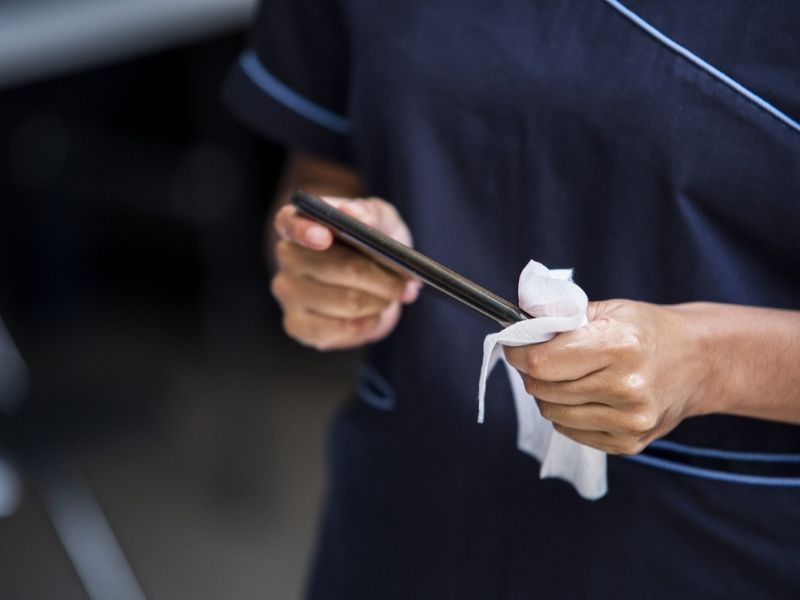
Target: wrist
705,337
748,360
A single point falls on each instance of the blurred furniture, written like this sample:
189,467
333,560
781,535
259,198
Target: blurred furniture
41,38
141,148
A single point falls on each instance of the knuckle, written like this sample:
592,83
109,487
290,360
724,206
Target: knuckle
281,218
387,208
323,345
378,202
355,301
535,363
530,385
643,421
355,269
344,333
356,327
291,325
396,286
634,384
631,387
293,230
631,341
279,286
545,409
630,446
283,251
300,329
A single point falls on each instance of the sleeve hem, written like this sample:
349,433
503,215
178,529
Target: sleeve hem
279,113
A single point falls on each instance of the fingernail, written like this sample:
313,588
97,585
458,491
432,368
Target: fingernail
411,291
316,235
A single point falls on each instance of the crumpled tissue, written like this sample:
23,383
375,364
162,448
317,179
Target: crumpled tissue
559,305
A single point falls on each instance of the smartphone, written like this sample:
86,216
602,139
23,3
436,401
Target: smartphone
407,261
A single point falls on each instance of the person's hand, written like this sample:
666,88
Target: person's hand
626,378
332,296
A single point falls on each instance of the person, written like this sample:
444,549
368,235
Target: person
655,148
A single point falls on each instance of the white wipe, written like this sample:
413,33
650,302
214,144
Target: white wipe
559,305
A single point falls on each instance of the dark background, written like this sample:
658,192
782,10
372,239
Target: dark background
171,438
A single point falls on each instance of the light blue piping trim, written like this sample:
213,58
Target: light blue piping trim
688,55
725,454
667,465
373,389
268,83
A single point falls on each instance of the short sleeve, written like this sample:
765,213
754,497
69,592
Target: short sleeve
291,83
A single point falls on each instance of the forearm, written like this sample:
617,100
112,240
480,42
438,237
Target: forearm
753,356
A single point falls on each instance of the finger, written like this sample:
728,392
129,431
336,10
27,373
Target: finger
381,215
386,322
324,299
290,225
592,416
605,441
600,440
327,333
341,266
589,389
567,357
411,290
372,211
376,213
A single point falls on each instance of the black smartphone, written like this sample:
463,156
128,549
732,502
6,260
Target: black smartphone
405,260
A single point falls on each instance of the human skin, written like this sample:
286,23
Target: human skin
636,370
632,374
334,297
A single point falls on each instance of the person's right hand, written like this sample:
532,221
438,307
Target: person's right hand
332,296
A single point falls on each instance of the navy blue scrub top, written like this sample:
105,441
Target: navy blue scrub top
654,147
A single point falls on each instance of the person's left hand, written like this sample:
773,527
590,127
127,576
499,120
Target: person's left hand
626,378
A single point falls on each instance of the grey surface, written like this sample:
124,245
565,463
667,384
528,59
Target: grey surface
221,499
43,38
32,563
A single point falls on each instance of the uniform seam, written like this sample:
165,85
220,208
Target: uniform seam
713,474
704,66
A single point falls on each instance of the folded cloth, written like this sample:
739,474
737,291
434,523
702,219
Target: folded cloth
559,305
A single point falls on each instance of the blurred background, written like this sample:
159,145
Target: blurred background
159,436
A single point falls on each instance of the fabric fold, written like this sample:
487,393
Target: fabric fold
558,305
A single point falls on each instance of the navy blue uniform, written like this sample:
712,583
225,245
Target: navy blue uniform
654,147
